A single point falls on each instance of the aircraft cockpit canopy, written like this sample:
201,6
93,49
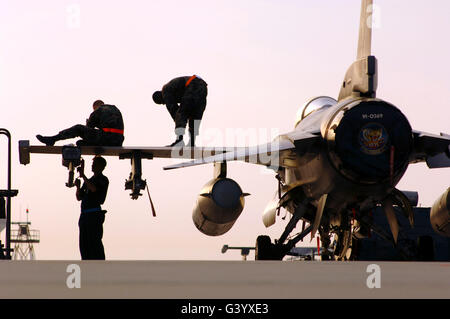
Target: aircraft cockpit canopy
312,105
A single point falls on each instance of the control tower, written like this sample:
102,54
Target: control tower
23,239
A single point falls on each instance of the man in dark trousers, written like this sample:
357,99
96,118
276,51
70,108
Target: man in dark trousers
190,92
104,127
92,195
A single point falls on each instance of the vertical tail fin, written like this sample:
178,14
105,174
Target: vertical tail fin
365,29
361,78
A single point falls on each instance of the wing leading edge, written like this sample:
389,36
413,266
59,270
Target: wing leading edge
268,154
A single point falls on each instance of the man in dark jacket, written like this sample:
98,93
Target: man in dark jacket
104,128
92,195
190,92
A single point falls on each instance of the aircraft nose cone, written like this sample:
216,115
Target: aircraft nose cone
373,141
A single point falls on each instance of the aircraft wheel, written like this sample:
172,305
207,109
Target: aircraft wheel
324,257
263,248
343,245
425,247
352,251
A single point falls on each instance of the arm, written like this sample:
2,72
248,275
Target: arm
172,93
78,192
94,119
171,103
90,186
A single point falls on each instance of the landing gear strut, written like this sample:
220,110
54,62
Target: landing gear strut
265,250
324,232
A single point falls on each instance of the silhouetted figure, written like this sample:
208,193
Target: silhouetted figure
92,195
104,127
190,93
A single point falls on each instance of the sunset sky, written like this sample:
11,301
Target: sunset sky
262,59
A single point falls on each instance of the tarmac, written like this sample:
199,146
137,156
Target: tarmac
223,280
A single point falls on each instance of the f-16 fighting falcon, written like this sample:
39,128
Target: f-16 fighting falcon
343,159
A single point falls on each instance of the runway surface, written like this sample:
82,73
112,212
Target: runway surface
223,279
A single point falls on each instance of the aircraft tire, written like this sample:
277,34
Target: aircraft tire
263,248
425,247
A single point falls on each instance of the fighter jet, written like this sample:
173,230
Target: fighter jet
344,157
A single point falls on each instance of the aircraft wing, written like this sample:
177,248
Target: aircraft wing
71,158
274,154
124,152
432,149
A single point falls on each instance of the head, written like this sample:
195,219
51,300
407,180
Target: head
97,104
158,97
98,164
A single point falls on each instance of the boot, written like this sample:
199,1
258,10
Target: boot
178,142
47,140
